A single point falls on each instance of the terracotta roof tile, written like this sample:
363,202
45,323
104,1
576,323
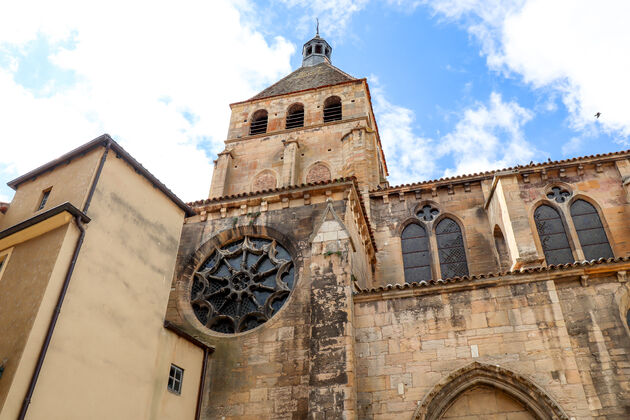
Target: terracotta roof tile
540,269
490,173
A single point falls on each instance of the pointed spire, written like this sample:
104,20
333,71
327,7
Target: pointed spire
317,34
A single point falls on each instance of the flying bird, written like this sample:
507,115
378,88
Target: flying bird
597,115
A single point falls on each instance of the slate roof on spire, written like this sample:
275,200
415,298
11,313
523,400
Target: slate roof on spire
322,74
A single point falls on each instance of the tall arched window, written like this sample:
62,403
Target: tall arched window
552,235
295,116
416,254
258,124
590,231
451,249
332,109
502,249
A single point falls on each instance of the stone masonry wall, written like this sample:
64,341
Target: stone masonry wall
300,363
406,345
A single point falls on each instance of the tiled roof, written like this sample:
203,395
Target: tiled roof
103,141
311,77
520,168
534,270
197,205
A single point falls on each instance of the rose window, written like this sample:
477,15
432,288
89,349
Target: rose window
242,285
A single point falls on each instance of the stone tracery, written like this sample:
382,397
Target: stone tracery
242,285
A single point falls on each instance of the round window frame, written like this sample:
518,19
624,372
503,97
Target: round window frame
222,239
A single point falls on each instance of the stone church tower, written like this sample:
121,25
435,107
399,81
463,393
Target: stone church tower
306,287
328,294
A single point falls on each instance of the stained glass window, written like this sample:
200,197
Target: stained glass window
242,285
590,231
416,254
451,249
552,235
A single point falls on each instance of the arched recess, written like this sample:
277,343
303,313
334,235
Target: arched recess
332,109
265,180
590,230
503,253
258,124
553,235
521,389
318,172
416,253
295,116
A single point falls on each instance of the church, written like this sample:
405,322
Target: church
305,286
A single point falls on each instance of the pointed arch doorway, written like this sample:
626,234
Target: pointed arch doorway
487,390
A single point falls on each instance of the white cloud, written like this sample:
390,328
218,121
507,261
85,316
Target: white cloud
139,68
575,47
406,153
573,146
487,136
334,15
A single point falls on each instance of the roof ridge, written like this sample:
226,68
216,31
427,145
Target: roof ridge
322,74
495,171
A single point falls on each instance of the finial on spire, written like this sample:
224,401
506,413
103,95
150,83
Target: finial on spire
317,19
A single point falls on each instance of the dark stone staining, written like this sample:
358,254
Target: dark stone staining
328,364
604,365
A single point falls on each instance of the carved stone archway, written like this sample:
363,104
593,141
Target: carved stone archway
442,396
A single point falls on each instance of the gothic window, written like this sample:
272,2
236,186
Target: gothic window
552,235
317,173
416,254
332,109
241,285
502,249
259,122
451,249
295,116
590,231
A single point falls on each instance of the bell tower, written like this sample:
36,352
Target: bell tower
314,125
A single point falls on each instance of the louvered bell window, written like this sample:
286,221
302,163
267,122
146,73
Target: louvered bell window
451,249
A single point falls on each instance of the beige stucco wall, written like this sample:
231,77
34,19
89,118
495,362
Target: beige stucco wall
109,355
29,289
70,182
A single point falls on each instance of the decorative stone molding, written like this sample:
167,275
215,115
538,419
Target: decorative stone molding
318,172
445,392
265,180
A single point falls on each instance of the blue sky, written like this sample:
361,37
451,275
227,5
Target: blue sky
458,86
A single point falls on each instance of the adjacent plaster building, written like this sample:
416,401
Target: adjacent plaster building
306,287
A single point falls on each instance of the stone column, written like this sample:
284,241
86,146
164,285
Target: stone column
332,371
219,176
623,166
505,208
289,165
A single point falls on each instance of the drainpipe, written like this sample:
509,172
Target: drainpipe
64,289
202,383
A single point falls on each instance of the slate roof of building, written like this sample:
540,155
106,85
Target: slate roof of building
310,77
